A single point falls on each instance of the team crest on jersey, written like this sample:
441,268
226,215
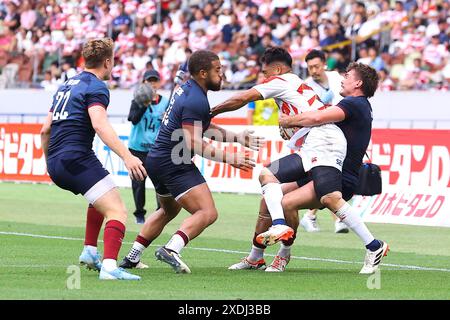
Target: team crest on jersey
314,159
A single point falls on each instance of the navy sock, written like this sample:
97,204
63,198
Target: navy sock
278,221
374,245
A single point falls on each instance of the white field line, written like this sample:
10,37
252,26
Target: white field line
409,267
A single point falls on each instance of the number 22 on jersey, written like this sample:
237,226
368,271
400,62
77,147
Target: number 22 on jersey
59,112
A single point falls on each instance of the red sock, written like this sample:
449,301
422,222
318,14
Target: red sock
143,241
94,223
113,236
290,241
256,244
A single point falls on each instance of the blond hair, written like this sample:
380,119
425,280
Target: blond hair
96,51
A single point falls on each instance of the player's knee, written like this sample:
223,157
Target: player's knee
331,199
210,216
266,176
213,215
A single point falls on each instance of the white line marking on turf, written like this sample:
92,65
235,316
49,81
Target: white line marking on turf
235,252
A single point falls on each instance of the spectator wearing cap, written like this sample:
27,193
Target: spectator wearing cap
146,121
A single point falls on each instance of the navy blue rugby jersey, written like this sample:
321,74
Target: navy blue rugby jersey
357,128
71,128
189,104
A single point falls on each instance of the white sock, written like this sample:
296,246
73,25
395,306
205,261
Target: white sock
109,264
273,195
311,214
255,254
284,251
352,220
176,243
135,252
91,249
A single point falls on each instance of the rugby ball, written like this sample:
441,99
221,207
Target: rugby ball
287,133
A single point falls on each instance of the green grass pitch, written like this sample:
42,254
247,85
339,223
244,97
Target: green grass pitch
41,227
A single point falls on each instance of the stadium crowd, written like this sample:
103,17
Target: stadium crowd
406,41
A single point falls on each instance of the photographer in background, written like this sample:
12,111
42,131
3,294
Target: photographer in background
146,112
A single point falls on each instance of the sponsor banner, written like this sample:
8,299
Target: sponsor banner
21,156
415,169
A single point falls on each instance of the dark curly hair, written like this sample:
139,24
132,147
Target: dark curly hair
201,60
277,54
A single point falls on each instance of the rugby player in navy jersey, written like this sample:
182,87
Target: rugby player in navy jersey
77,113
326,187
178,182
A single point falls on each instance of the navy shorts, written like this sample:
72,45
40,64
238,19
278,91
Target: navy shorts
168,178
76,171
290,168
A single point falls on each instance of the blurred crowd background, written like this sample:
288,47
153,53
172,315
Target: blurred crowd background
406,41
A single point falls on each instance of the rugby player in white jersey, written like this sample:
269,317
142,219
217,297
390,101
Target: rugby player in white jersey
323,150
327,85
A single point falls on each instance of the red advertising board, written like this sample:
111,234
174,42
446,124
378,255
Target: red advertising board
21,156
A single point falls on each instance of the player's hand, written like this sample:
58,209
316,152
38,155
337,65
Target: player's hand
250,141
135,168
284,120
241,160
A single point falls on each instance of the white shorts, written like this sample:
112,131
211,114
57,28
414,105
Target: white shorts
99,189
324,146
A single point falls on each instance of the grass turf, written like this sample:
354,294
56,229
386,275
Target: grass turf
36,267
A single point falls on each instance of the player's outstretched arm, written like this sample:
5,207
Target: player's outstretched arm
237,101
45,133
246,137
107,134
313,118
194,141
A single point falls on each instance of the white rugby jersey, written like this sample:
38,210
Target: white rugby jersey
293,96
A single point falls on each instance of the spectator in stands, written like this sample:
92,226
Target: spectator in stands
199,22
230,29
386,83
51,30
435,54
332,36
49,83
68,71
443,31
121,20
375,60
28,16
12,18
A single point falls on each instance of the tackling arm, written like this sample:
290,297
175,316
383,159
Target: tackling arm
245,137
237,101
313,118
194,142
